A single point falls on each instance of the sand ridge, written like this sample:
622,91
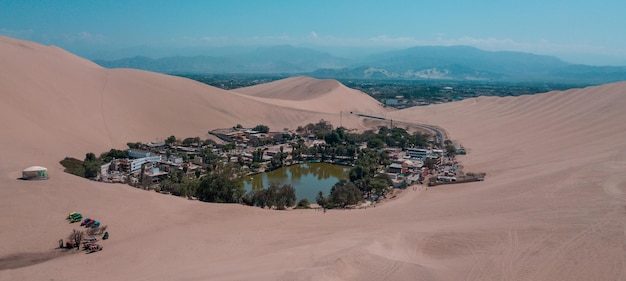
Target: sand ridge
294,88
552,207
320,95
45,90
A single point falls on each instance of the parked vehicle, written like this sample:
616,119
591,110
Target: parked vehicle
85,221
89,223
76,218
67,245
93,248
70,215
95,224
90,240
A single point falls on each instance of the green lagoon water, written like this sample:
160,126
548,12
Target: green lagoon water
308,179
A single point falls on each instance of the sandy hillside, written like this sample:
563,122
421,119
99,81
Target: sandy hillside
77,106
308,93
553,206
293,88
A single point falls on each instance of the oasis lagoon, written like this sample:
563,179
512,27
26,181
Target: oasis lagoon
307,179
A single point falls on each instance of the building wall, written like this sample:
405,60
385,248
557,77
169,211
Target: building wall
135,165
35,175
391,102
136,153
417,153
104,169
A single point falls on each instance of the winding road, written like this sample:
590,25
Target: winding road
442,134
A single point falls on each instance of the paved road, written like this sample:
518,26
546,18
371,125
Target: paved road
442,134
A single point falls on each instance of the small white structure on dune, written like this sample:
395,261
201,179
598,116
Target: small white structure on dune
35,173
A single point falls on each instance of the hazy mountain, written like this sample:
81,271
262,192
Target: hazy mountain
434,56
592,74
178,64
290,59
416,63
276,59
468,63
158,52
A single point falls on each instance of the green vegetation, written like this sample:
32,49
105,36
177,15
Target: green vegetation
90,167
364,182
112,154
211,172
321,200
180,184
407,93
343,194
192,141
171,140
73,166
278,160
430,163
220,187
364,174
303,204
449,147
273,197
261,129
134,145
319,130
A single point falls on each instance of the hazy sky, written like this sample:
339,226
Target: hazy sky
592,32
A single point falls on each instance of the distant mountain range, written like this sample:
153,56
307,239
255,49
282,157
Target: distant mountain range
459,63
277,59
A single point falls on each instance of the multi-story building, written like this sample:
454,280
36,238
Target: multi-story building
135,164
132,165
417,153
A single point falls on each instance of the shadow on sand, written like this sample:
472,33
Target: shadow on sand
28,259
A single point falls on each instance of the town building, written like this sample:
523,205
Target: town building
35,173
132,165
138,153
417,153
155,144
396,168
135,164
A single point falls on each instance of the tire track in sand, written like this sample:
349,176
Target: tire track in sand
104,122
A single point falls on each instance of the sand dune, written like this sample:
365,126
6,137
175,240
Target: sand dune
294,88
553,206
307,93
49,94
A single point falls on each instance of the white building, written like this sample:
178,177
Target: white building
35,173
417,153
135,164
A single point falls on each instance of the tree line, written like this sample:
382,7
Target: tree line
219,181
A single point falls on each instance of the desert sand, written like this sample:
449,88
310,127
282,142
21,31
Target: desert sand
553,206
307,94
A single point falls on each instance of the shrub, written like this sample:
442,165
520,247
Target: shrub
344,193
303,204
220,188
261,129
73,166
321,200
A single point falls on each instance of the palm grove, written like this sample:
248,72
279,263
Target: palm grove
220,180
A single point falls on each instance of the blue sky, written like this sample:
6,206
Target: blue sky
592,32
